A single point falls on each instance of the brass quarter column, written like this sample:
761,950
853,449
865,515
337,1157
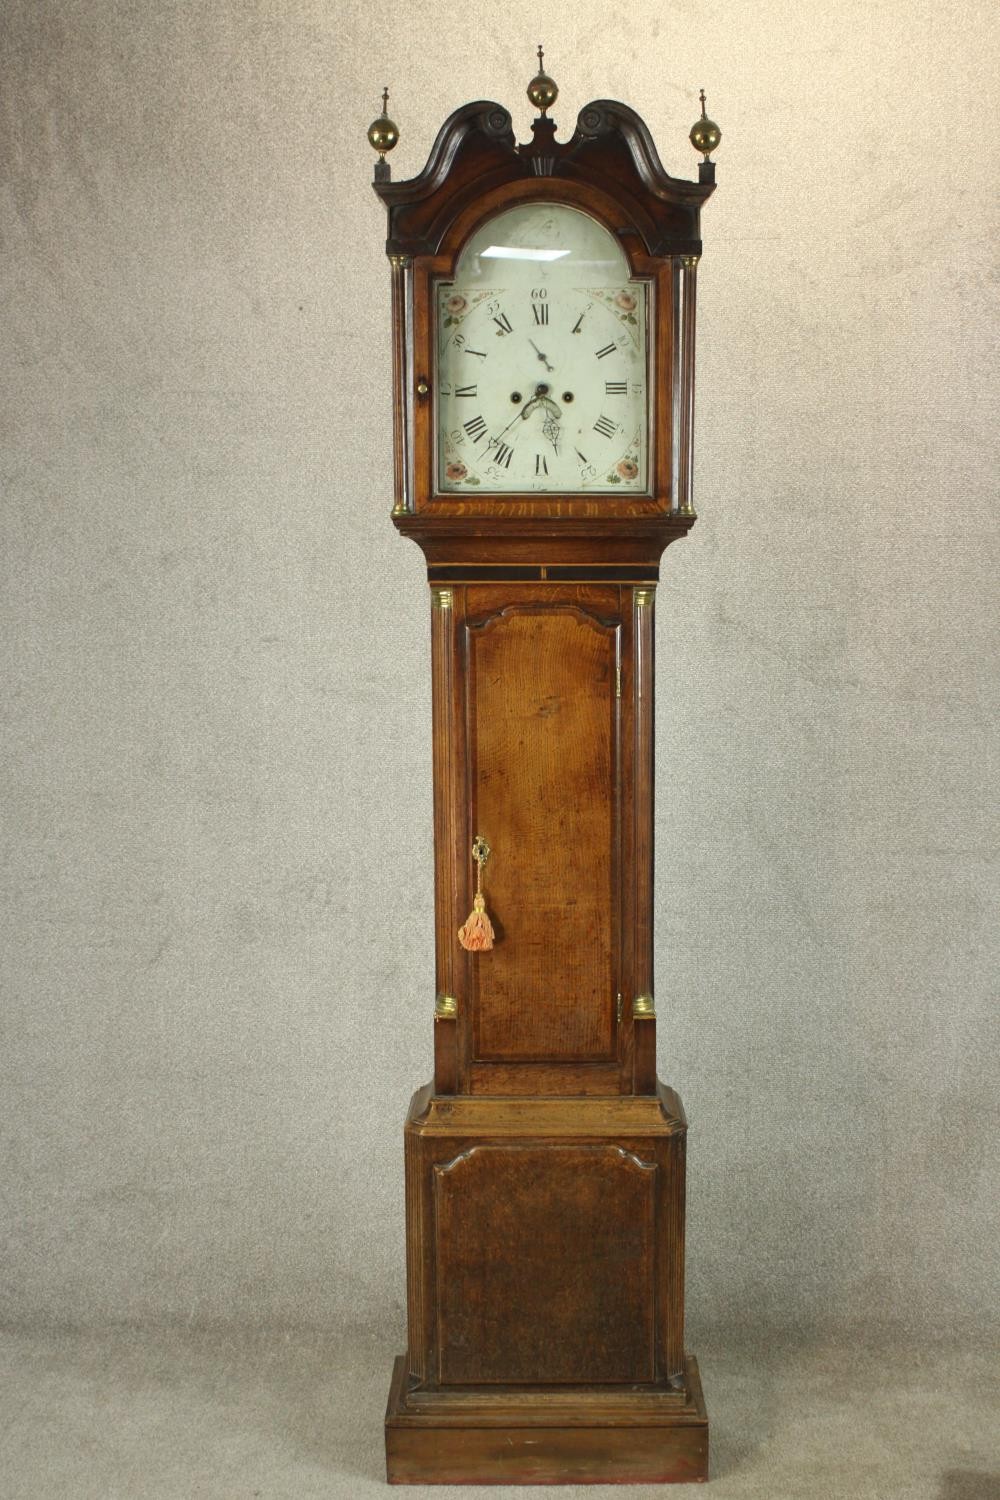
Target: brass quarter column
402,490
688,297
446,896
643,1022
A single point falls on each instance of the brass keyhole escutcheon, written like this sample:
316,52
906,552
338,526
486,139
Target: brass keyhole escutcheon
481,850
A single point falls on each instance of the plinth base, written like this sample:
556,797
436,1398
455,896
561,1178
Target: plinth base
482,1435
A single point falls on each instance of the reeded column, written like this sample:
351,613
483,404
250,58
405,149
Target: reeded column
685,301
445,840
643,1018
401,384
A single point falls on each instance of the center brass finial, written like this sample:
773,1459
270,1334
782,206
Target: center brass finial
542,90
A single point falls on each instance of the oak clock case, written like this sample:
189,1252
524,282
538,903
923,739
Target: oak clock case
543,360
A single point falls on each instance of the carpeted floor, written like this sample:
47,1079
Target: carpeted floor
168,1414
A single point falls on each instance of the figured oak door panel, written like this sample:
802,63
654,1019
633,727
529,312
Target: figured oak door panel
542,786
545,1265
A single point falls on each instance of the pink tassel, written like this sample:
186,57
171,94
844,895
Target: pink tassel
476,933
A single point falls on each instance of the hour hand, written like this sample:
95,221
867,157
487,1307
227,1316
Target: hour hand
541,356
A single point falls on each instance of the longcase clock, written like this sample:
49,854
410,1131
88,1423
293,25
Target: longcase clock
543,303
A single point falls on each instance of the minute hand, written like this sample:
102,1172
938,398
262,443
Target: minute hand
518,417
541,356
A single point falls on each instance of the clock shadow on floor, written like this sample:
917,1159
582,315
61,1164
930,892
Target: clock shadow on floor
969,1484
321,1399
746,1409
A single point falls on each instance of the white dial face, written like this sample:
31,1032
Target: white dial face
542,374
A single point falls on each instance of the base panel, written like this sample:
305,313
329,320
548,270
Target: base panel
625,1437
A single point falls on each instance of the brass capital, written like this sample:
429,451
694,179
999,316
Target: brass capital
643,1007
644,597
445,1007
442,598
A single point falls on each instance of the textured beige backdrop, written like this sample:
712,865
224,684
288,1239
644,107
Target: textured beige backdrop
217,965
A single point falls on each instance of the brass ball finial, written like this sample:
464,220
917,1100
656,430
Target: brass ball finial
542,90
705,134
383,133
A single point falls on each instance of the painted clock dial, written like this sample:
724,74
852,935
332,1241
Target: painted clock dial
542,380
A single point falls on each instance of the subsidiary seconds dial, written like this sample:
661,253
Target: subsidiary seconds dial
542,373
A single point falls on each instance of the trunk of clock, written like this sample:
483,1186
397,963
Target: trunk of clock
545,1166
543,745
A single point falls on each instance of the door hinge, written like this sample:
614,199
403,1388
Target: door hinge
618,1009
